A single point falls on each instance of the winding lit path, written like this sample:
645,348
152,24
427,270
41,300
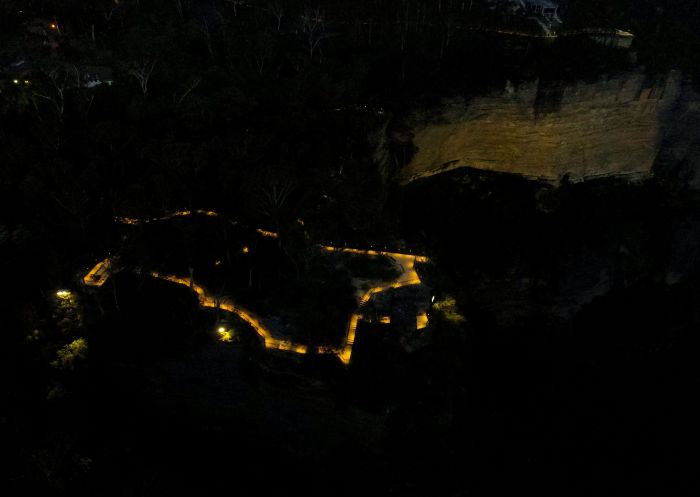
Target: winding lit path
99,274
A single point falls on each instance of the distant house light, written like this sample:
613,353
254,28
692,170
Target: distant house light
15,81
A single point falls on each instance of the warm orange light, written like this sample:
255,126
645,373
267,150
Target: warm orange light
393,255
183,213
53,25
272,234
226,304
287,345
99,274
327,349
345,354
408,277
421,320
127,220
269,234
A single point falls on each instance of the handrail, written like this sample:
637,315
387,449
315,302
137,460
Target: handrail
99,274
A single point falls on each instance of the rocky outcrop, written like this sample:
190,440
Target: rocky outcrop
679,158
547,131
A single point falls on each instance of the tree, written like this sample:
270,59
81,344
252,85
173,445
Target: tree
263,47
188,89
69,356
235,4
142,70
59,78
277,10
273,198
312,26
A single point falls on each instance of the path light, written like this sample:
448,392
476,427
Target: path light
15,81
224,334
269,234
62,294
102,270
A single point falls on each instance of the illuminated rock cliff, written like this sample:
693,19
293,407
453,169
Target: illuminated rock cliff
547,131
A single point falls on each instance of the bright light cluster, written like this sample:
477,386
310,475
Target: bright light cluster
224,334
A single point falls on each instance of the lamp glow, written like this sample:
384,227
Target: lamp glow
224,335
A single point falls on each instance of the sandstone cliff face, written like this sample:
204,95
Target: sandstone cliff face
679,157
548,131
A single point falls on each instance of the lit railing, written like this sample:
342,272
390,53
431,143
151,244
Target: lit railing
184,213
269,234
409,277
102,270
421,321
394,255
225,304
99,274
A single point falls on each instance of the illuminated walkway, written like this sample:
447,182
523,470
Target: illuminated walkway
136,221
108,266
409,276
99,274
226,304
